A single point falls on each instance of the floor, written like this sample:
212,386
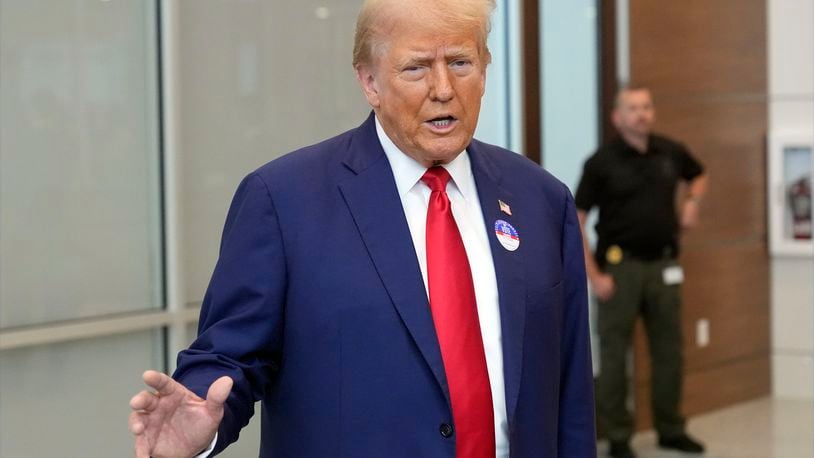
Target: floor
763,428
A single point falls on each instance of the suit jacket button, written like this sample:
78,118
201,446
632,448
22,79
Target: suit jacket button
446,430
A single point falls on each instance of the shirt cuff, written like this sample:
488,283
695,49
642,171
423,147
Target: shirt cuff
211,447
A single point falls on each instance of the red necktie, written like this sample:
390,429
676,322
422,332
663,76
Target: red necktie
455,314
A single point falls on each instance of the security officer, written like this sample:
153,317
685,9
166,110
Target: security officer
634,270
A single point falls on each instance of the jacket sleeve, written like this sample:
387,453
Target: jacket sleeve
577,427
240,327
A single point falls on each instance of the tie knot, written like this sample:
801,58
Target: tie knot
436,178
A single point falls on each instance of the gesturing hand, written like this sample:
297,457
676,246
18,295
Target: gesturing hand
173,421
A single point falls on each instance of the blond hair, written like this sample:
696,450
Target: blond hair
376,18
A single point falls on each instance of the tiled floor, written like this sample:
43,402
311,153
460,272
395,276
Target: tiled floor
764,428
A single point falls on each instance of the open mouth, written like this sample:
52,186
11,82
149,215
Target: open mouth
442,122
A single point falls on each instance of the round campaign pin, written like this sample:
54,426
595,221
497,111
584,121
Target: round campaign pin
507,235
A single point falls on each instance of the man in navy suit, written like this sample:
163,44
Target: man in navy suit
319,304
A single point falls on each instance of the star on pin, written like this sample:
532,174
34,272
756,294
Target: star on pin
504,207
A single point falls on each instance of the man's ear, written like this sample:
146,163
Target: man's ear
486,62
367,80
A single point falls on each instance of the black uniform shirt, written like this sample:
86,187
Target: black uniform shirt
635,194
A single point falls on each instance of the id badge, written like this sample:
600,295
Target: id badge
673,275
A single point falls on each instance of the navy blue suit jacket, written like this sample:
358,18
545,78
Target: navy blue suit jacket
317,307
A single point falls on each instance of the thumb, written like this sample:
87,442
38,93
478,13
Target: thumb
218,392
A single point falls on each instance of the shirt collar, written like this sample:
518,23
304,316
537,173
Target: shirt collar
630,150
407,171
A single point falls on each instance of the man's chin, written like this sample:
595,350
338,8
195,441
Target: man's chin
442,157
444,150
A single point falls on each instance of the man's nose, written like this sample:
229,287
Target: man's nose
441,89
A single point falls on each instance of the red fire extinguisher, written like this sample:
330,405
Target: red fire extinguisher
799,194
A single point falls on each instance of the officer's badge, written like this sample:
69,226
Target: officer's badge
614,255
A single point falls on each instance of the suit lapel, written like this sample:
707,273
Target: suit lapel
373,200
508,270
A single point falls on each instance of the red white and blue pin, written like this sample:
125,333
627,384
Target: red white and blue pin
507,235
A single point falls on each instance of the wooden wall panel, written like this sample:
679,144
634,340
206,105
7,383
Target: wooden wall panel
705,62
736,309
532,135
728,137
699,46
607,67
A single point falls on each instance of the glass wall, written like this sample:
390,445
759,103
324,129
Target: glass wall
70,399
80,220
79,187
249,92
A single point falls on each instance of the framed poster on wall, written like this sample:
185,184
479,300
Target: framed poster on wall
791,167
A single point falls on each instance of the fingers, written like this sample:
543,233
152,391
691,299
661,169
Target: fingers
144,401
605,290
610,290
142,447
162,383
137,423
218,392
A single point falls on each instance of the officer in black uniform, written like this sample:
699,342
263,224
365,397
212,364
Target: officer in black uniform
634,269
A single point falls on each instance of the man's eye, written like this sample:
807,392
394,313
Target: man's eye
413,69
461,63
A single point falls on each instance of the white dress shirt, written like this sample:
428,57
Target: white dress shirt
466,210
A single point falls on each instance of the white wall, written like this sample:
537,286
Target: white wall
791,109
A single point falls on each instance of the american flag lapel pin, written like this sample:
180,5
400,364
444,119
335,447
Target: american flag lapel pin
504,207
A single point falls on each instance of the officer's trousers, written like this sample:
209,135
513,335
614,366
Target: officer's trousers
640,290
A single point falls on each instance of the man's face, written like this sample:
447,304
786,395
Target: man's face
634,113
426,87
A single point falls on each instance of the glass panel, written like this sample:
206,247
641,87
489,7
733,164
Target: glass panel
249,96
496,108
569,86
70,399
79,190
